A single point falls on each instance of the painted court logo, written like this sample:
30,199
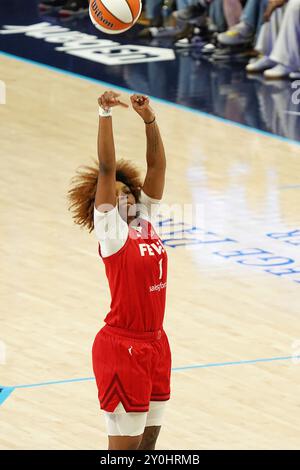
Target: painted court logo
2,92
296,94
90,47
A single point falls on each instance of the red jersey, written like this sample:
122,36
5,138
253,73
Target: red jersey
137,276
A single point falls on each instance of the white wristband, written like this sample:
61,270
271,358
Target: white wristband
104,113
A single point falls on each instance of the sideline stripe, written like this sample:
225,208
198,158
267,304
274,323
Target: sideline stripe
55,382
5,392
236,363
158,100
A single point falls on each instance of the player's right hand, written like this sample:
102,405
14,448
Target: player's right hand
109,99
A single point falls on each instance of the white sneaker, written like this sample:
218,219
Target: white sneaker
238,35
295,75
277,72
185,42
260,65
208,48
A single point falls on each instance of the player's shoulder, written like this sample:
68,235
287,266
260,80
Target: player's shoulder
147,207
147,200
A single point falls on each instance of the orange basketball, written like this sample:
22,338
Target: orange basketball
114,16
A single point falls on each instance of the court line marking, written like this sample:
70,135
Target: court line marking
158,100
174,369
5,392
291,186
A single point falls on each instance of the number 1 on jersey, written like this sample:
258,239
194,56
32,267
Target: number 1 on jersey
160,268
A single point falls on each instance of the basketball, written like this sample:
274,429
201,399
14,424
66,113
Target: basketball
114,16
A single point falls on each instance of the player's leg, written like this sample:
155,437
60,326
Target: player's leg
124,442
125,430
149,438
153,424
132,431
160,393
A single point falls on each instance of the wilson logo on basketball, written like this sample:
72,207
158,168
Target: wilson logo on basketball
99,14
114,16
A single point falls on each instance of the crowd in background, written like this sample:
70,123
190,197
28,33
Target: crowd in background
65,8
220,27
272,27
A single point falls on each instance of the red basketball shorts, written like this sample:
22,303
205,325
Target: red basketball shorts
132,368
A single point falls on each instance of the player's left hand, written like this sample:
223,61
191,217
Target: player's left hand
109,99
141,104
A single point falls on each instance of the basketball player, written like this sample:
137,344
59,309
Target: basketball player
131,353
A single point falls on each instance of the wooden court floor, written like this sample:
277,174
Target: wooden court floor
222,310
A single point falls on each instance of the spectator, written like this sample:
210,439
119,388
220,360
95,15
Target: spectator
250,22
153,8
225,13
153,12
190,13
65,8
232,11
181,18
266,40
280,48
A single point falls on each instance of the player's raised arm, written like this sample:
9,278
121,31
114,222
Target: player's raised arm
156,160
106,186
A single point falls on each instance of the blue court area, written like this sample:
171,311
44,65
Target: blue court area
220,88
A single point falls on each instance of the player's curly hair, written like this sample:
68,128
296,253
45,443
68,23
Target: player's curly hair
82,193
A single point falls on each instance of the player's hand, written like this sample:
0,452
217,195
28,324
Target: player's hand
141,105
109,99
272,5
